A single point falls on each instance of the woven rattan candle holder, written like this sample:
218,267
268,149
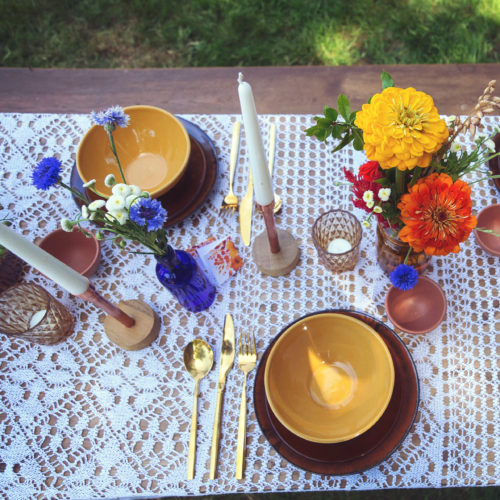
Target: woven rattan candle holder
21,304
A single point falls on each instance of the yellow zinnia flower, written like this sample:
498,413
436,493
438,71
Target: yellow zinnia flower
401,128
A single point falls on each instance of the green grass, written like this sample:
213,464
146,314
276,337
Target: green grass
168,33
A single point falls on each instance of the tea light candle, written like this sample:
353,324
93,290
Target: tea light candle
263,188
37,317
339,245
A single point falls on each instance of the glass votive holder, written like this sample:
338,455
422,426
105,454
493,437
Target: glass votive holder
337,236
29,312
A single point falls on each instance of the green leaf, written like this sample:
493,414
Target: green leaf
324,123
344,142
352,117
387,80
344,107
337,131
330,113
358,139
311,130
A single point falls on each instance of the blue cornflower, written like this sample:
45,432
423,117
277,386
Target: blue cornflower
148,212
46,173
404,277
111,118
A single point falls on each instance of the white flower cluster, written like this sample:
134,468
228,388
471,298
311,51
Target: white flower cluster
117,207
368,197
119,203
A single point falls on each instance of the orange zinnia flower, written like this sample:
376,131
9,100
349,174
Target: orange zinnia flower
437,215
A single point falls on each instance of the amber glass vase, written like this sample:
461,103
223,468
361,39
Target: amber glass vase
391,252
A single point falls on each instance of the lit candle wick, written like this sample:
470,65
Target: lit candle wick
339,245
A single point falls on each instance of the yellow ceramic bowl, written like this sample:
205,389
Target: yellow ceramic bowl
329,378
153,150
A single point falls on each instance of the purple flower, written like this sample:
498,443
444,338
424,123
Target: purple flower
46,173
148,212
111,118
404,277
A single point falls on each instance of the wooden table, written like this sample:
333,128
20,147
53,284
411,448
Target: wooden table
299,89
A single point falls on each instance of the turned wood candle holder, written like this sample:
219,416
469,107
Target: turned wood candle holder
275,251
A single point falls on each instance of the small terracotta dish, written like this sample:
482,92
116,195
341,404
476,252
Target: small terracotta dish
74,249
418,310
153,150
489,218
329,378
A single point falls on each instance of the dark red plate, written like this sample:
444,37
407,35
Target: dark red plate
366,450
194,186
494,163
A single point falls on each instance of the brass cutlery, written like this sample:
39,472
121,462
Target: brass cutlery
245,214
198,360
226,362
247,358
230,201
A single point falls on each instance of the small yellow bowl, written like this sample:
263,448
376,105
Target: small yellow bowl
329,378
153,150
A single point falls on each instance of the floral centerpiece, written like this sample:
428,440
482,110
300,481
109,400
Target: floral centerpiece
414,184
131,215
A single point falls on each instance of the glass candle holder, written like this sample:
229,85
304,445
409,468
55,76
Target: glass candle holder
29,312
337,236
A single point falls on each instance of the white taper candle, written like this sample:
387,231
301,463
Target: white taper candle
48,265
261,180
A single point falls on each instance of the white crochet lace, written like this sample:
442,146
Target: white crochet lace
86,419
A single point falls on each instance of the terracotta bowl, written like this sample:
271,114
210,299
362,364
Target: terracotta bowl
74,249
489,218
329,378
153,150
419,310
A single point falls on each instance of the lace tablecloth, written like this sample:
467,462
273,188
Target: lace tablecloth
86,419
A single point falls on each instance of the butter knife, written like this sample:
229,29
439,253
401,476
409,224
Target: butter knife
245,213
226,362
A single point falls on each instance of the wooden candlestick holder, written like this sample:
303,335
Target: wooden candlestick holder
132,325
275,251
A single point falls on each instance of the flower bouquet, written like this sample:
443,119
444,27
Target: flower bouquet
414,183
130,214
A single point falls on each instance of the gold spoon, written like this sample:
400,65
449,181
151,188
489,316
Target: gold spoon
272,145
198,360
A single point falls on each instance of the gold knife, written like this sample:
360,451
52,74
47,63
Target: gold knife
226,362
245,214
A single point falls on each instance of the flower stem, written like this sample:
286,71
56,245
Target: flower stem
113,148
400,182
407,255
484,179
74,191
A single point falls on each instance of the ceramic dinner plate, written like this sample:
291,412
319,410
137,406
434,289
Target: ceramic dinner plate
195,185
366,450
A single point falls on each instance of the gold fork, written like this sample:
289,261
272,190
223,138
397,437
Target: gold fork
230,201
247,358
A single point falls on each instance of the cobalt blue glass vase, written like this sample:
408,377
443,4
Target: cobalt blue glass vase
179,273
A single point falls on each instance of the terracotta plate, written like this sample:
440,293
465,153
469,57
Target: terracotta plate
366,450
195,185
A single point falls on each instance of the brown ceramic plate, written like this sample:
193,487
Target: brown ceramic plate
366,450
195,185
495,162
